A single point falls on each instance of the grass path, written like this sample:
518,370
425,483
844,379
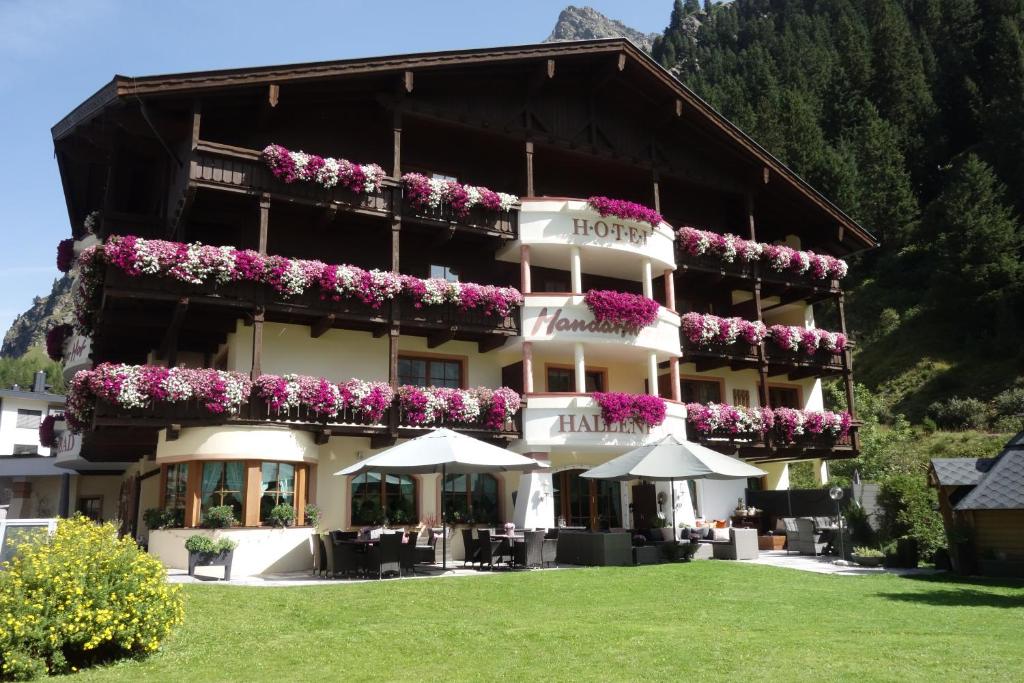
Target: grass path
705,621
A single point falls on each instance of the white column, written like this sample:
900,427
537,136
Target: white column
652,373
527,367
648,279
581,368
524,268
575,268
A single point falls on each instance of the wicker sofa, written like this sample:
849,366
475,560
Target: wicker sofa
595,548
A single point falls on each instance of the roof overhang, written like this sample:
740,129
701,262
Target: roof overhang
125,88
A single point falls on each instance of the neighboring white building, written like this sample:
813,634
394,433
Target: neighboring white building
34,482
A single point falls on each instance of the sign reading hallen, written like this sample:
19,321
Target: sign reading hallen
615,232
575,424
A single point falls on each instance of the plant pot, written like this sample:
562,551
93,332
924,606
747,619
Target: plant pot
867,561
221,559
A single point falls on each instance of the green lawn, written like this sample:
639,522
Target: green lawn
705,620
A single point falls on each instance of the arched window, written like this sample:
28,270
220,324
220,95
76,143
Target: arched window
378,497
472,498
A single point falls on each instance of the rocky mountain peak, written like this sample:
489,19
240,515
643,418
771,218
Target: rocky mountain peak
585,23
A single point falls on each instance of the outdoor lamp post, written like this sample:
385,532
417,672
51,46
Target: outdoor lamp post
836,494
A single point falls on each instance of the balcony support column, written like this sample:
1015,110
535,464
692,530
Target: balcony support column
529,168
762,360
648,279
527,367
670,289
524,268
576,270
652,373
673,368
580,364
264,223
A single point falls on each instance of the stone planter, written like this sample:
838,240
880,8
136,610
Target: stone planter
867,561
221,559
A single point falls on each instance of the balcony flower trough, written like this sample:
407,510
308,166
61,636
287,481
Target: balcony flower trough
642,410
629,311
620,208
327,172
724,335
449,201
478,408
728,249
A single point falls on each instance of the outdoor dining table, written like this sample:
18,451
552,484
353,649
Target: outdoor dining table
512,540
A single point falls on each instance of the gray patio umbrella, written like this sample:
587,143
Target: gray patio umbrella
444,452
672,460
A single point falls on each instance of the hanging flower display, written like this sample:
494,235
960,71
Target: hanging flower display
65,254
631,311
55,338
721,418
625,210
47,433
466,295
808,340
705,329
139,386
324,171
777,257
784,423
422,406
199,264
432,193
642,410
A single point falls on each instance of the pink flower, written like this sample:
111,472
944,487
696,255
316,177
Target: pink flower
626,210
631,311
639,409
47,435
65,254
55,339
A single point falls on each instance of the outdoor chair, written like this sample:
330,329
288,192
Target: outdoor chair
327,545
385,557
742,545
530,552
348,560
551,534
490,550
823,523
425,551
792,534
469,544
321,553
408,556
549,550
809,541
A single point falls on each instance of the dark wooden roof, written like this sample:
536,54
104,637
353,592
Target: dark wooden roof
1002,488
960,471
125,88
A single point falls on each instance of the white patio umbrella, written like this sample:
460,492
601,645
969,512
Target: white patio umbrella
672,460
446,452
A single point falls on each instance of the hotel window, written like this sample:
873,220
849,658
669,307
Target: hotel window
378,497
472,498
223,484
277,487
91,507
563,380
430,372
701,391
29,419
784,397
443,273
741,397
175,486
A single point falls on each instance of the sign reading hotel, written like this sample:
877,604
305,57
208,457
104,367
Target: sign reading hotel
610,230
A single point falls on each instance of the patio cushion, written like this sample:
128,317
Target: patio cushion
721,534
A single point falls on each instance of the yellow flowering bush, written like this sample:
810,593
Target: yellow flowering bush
80,597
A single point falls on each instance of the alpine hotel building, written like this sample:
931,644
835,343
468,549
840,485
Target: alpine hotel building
252,319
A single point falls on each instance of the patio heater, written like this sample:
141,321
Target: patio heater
836,494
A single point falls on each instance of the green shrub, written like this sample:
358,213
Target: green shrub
219,517
81,597
163,519
197,543
1009,403
864,551
282,515
910,511
312,515
959,413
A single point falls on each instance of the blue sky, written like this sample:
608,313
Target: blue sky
55,53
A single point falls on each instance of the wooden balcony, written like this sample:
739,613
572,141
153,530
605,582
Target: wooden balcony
787,286
798,365
176,416
710,267
226,168
738,356
769,447
480,221
147,300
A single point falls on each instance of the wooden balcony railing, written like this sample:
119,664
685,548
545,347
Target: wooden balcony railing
710,356
772,282
504,224
255,411
764,447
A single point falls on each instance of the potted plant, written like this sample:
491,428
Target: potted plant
282,515
312,513
667,532
203,551
163,519
867,557
219,517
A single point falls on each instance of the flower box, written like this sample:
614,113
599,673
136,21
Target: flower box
734,350
201,559
505,223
